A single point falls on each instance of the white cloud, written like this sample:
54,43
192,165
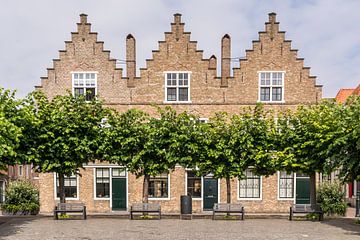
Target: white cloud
325,31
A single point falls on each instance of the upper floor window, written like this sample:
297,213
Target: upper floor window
271,86
177,87
84,83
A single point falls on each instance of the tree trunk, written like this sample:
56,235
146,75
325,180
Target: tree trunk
61,187
146,188
313,189
228,190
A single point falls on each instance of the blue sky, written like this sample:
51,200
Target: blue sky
326,32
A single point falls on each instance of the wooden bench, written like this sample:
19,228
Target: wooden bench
305,209
145,208
228,208
70,208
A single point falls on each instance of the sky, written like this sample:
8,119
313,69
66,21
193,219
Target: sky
326,32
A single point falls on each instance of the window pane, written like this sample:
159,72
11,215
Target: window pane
118,172
81,76
183,94
249,187
78,92
171,94
265,94
276,93
193,185
90,94
158,186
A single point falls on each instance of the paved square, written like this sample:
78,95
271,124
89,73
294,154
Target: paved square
114,228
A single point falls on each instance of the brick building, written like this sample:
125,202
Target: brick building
178,75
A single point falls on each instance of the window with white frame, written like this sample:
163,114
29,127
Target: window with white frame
158,186
193,185
70,185
286,185
271,87
250,187
102,182
177,87
84,84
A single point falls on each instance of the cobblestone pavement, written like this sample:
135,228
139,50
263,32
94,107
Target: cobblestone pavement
113,228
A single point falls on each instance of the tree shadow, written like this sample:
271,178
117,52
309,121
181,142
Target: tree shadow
346,224
11,225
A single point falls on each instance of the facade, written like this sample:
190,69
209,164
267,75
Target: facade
178,75
352,188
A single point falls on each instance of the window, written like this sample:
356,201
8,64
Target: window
118,172
158,186
286,185
2,191
271,86
193,185
102,182
84,84
203,120
20,170
70,186
177,87
250,186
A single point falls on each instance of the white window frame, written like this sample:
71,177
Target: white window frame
278,188
271,86
249,199
110,184
67,198
186,182
177,87
73,80
168,186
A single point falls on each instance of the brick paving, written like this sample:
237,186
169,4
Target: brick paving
114,228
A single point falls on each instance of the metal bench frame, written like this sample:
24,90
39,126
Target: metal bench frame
145,208
228,208
70,208
305,209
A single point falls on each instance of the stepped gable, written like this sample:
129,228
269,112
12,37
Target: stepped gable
82,53
178,49
272,52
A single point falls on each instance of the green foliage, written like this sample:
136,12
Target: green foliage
21,197
331,198
10,132
312,216
357,221
347,146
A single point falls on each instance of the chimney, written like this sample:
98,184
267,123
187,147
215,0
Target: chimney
130,60
83,18
272,17
225,60
177,26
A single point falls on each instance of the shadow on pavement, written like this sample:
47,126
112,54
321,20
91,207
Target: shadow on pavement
11,225
346,224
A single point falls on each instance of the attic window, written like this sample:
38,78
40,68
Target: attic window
177,87
85,84
271,86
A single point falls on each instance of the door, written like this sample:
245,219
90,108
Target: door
210,193
119,194
302,190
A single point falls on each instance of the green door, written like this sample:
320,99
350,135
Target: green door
210,193
119,194
302,190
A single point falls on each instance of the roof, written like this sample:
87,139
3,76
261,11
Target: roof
344,93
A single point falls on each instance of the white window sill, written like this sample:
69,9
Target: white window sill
159,199
102,199
76,199
176,102
197,199
250,199
259,101
285,199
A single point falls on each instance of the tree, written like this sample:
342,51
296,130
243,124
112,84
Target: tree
306,139
347,145
227,146
10,131
67,135
141,143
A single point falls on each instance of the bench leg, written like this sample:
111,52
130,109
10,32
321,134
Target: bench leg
242,213
84,213
56,215
131,215
291,214
159,215
213,216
